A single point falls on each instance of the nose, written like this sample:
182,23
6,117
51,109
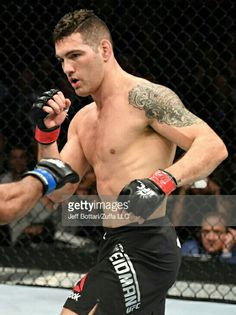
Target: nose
212,236
68,67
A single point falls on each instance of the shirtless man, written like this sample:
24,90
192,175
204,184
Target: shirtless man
128,134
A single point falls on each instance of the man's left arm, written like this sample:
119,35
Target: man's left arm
205,150
169,118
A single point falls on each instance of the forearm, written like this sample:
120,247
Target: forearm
17,199
51,151
48,151
204,155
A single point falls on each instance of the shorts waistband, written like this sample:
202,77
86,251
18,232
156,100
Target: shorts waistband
162,221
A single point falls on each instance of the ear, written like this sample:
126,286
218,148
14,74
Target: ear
106,49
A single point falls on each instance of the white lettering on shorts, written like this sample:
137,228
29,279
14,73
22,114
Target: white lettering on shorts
128,278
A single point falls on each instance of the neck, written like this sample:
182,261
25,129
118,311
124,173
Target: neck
111,83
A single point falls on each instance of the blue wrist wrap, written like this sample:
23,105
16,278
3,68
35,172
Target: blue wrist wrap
47,178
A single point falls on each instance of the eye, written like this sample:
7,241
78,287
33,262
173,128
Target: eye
60,60
75,56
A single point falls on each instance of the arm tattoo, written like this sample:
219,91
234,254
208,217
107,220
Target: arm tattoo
162,104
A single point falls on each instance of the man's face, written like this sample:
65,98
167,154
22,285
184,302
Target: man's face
83,65
213,235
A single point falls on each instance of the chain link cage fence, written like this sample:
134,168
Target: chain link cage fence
187,45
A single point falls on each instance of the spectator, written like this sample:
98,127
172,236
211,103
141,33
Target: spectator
215,240
191,203
17,164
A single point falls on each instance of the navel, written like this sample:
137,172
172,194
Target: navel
112,151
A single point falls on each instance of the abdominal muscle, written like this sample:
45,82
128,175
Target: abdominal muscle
111,180
120,159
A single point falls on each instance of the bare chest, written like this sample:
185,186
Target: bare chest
111,135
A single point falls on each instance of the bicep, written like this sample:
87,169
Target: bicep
167,115
72,153
170,118
184,136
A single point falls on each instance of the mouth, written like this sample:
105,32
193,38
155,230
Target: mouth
75,83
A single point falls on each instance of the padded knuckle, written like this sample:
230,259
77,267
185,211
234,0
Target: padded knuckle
46,96
51,93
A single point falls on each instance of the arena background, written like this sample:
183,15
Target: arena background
188,46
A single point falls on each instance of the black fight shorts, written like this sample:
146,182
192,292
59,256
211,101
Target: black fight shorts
136,267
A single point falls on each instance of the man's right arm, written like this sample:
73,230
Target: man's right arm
71,154
48,113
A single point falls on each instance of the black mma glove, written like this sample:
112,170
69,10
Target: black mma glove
144,196
53,173
43,134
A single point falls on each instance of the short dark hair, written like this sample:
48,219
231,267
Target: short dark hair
85,22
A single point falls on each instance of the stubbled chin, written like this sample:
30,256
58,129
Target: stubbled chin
81,93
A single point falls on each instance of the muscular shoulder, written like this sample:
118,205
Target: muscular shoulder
160,103
84,114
